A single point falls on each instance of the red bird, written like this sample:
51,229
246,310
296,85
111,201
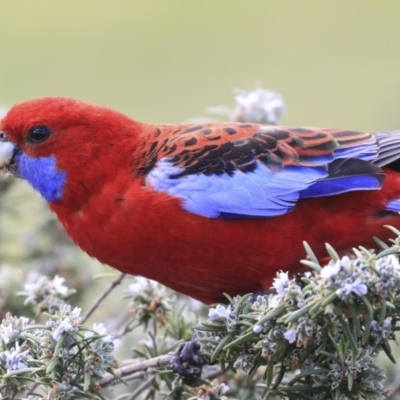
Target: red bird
203,209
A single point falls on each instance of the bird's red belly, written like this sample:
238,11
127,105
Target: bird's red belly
206,257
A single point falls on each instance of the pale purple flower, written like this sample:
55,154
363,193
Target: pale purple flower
387,322
290,335
219,313
13,359
69,323
356,287
65,326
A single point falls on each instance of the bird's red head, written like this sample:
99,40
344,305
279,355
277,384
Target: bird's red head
58,143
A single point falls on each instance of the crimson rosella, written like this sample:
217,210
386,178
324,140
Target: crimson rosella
203,209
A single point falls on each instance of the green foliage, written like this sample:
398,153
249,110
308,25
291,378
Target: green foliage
315,337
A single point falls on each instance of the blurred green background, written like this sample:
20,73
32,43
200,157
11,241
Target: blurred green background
337,64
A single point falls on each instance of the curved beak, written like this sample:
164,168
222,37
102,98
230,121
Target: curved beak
7,152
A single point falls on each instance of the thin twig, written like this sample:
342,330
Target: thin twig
102,296
142,387
126,331
138,375
139,366
34,386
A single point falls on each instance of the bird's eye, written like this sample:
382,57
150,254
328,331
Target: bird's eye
38,134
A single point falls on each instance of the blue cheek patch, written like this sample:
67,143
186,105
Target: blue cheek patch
44,176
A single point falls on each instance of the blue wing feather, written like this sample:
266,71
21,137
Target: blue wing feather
259,193
268,190
341,185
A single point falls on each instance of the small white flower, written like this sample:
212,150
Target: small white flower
259,106
76,312
330,270
220,312
290,335
275,301
6,332
58,285
281,283
258,328
30,288
101,331
392,259
99,328
141,284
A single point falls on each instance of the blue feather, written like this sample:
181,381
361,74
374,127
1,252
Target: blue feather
366,151
43,174
345,184
260,193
